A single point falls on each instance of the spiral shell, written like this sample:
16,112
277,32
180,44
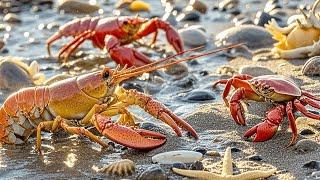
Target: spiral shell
123,167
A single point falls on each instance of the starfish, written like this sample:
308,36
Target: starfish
227,171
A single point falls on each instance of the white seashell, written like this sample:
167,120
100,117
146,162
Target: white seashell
123,167
181,156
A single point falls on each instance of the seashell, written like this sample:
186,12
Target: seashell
312,67
139,6
124,167
181,156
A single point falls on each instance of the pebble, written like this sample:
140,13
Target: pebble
77,6
255,158
228,4
199,95
198,5
203,73
123,167
169,17
254,70
154,172
1,44
12,18
315,174
182,156
13,76
186,82
255,37
139,6
179,165
130,85
307,132
263,18
200,150
306,145
177,71
312,67
213,153
193,37
312,165
196,166
189,16
234,149
152,127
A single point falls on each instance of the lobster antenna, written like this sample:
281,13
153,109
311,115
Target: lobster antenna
130,70
125,76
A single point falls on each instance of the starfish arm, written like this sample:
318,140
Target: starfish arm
198,174
253,174
227,168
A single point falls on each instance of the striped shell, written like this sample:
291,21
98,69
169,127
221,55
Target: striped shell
123,167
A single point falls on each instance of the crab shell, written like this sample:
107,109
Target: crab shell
275,88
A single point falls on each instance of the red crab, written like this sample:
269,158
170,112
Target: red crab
112,33
279,90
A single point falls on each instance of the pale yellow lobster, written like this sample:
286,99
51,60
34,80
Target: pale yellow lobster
89,100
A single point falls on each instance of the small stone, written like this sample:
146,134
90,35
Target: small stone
154,172
307,132
130,85
213,153
139,6
11,18
306,145
1,44
189,16
77,6
193,37
234,149
255,158
196,166
186,82
263,18
178,70
181,156
200,150
255,37
228,4
255,70
179,165
152,127
199,6
203,73
315,174
169,17
312,165
199,95
312,67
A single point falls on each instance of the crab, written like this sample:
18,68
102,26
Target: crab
300,39
279,90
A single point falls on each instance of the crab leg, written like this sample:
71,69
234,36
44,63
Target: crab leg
236,107
133,138
292,123
304,111
307,94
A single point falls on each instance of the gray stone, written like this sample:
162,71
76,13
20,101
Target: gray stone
255,70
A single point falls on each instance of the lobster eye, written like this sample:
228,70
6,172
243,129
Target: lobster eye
105,75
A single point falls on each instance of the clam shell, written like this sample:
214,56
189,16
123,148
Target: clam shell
123,167
312,67
181,156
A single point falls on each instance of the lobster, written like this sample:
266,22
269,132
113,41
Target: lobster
90,100
111,34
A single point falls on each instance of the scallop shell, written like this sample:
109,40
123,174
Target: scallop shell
123,167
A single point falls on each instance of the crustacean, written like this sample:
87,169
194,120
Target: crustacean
90,100
300,39
112,33
280,90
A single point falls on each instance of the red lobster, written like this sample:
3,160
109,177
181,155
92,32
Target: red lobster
112,33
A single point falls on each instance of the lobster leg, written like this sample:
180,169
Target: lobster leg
292,123
124,55
267,129
58,122
153,25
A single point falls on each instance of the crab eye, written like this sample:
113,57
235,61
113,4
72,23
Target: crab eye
125,22
105,75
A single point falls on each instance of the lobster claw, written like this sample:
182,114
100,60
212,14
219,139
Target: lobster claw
174,39
129,137
262,131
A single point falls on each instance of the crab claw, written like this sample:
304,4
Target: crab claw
129,137
262,131
268,128
174,39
